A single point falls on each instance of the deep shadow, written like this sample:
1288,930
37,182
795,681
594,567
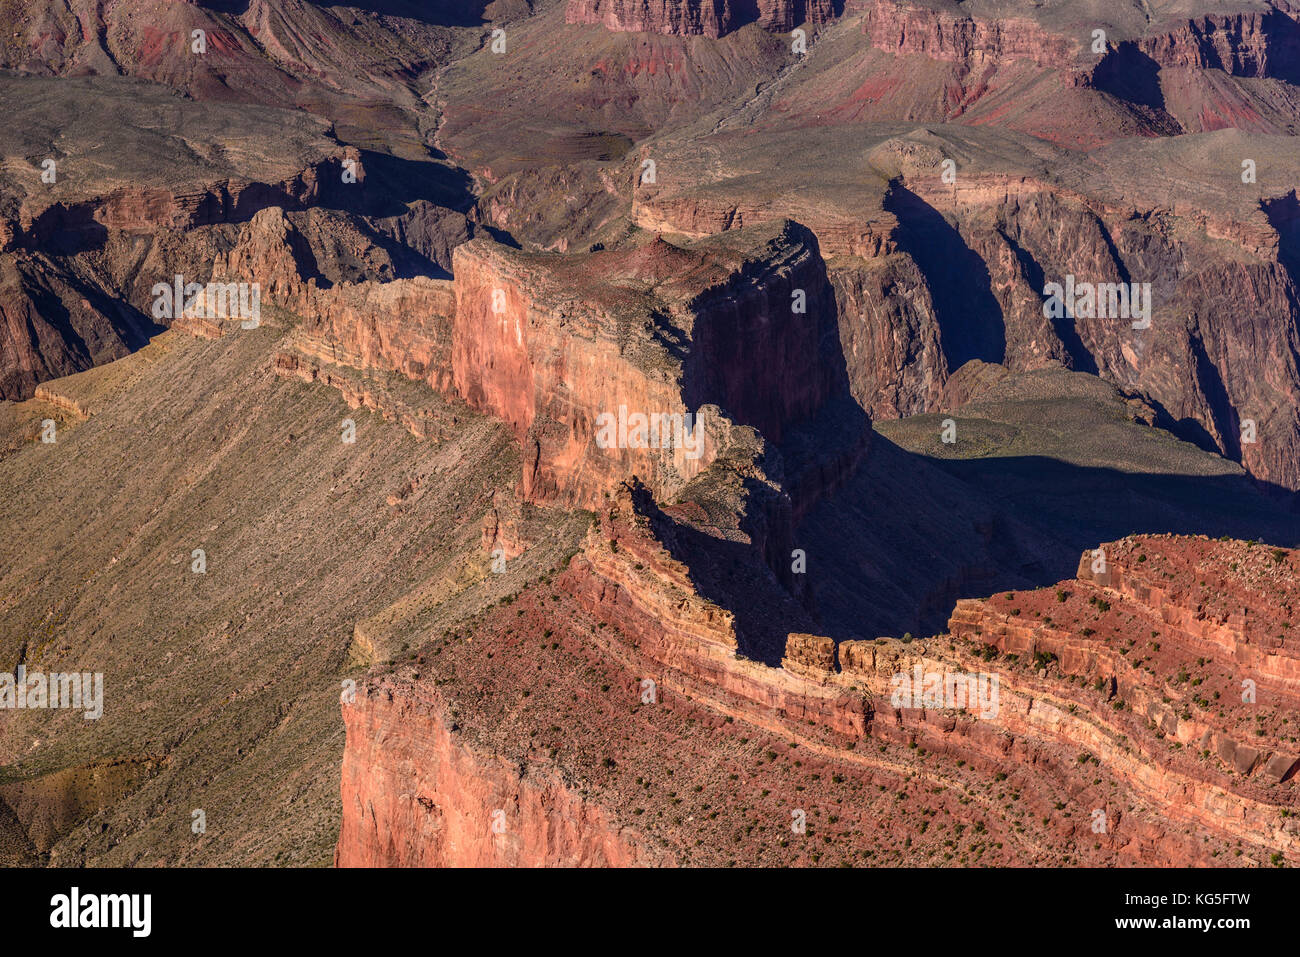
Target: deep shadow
735,575
1188,428
1216,395
759,361
747,11
1284,46
912,534
65,230
893,539
390,183
1086,505
1129,74
499,235
135,327
1225,417
386,200
1284,216
234,8
754,356
892,550
51,308
132,327
744,11
443,13
970,320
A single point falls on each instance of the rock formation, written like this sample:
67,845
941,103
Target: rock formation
662,439
711,18
1132,699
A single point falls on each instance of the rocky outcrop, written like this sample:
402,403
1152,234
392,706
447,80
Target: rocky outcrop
1186,641
710,18
1196,245
84,240
1111,752
606,366
54,323
577,353
465,806
148,210
1250,43
402,326
1185,362
942,35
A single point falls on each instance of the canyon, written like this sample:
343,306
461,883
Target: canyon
945,578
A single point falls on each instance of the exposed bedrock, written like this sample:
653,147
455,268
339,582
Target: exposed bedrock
1108,707
560,346
1247,43
1250,43
1156,278
709,373
952,35
711,18
82,242
1203,361
416,794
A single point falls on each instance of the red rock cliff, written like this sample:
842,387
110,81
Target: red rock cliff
1109,741
711,18
550,344
417,794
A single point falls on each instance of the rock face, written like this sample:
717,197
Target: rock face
436,819
565,349
402,326
1044,698
1247,43
1005,231
710,18
614,365
1184,362
1188,642
942,35
1251,43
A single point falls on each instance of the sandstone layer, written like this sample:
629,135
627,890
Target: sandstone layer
1108,743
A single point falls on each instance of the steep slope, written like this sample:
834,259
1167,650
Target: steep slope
359,67
1071,757
711,18
221,688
